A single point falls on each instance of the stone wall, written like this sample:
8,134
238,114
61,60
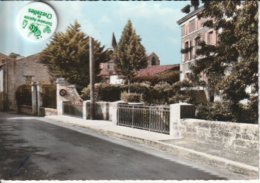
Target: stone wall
24,109
48,111
239,137
102,110
19,73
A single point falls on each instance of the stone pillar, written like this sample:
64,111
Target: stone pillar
34,99
114,110
59,83
177,112
86,109
39,98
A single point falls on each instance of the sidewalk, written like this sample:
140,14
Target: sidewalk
229,163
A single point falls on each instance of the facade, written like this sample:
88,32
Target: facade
15,72
192,32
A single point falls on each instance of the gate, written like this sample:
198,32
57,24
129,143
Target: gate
152,118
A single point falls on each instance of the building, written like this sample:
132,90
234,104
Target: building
108,71
192,32
18,71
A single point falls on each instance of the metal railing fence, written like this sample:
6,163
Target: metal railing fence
152,118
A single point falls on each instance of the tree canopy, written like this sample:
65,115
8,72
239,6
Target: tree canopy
231,66
67,55
130,54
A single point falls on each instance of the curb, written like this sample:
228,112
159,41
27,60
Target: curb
196,157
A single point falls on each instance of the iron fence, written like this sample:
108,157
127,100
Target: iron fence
152,118
73,109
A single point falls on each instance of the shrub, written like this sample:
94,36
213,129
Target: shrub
131,97
103,92
219,111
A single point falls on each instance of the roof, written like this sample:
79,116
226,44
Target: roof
191,14
3,57
29,58
152,55
153,70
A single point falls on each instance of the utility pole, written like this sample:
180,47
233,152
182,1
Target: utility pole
91,78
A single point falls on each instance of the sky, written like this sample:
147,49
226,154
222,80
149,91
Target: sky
154,21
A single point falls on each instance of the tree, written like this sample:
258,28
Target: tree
130,53
236,51
67,55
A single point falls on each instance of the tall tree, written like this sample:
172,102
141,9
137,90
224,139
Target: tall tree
245,72
130,54
231,65
67,55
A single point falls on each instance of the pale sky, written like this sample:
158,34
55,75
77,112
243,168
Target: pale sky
154,21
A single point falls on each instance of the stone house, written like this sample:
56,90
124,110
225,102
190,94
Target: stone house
192,32
15,72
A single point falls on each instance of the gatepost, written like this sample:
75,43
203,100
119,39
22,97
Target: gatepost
177,112
115,106
86,109
36,98
60,83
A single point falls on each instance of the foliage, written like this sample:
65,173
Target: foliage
103,92
162,93
67,55
231,66
168,76
131,97
186,9
219,111
130,53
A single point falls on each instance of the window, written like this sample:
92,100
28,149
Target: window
210,38
197,41
191,49
192,26
186,55
153,61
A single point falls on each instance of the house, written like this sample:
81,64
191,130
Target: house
192,32
16,72
3,60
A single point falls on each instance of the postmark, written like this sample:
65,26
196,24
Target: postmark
37,21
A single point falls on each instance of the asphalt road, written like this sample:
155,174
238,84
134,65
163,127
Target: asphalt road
34,150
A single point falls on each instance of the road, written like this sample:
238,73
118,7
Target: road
35,150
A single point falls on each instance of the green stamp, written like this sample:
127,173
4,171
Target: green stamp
37,21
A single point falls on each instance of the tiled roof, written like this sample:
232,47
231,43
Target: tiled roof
31,57
153,70
191,14
2,58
